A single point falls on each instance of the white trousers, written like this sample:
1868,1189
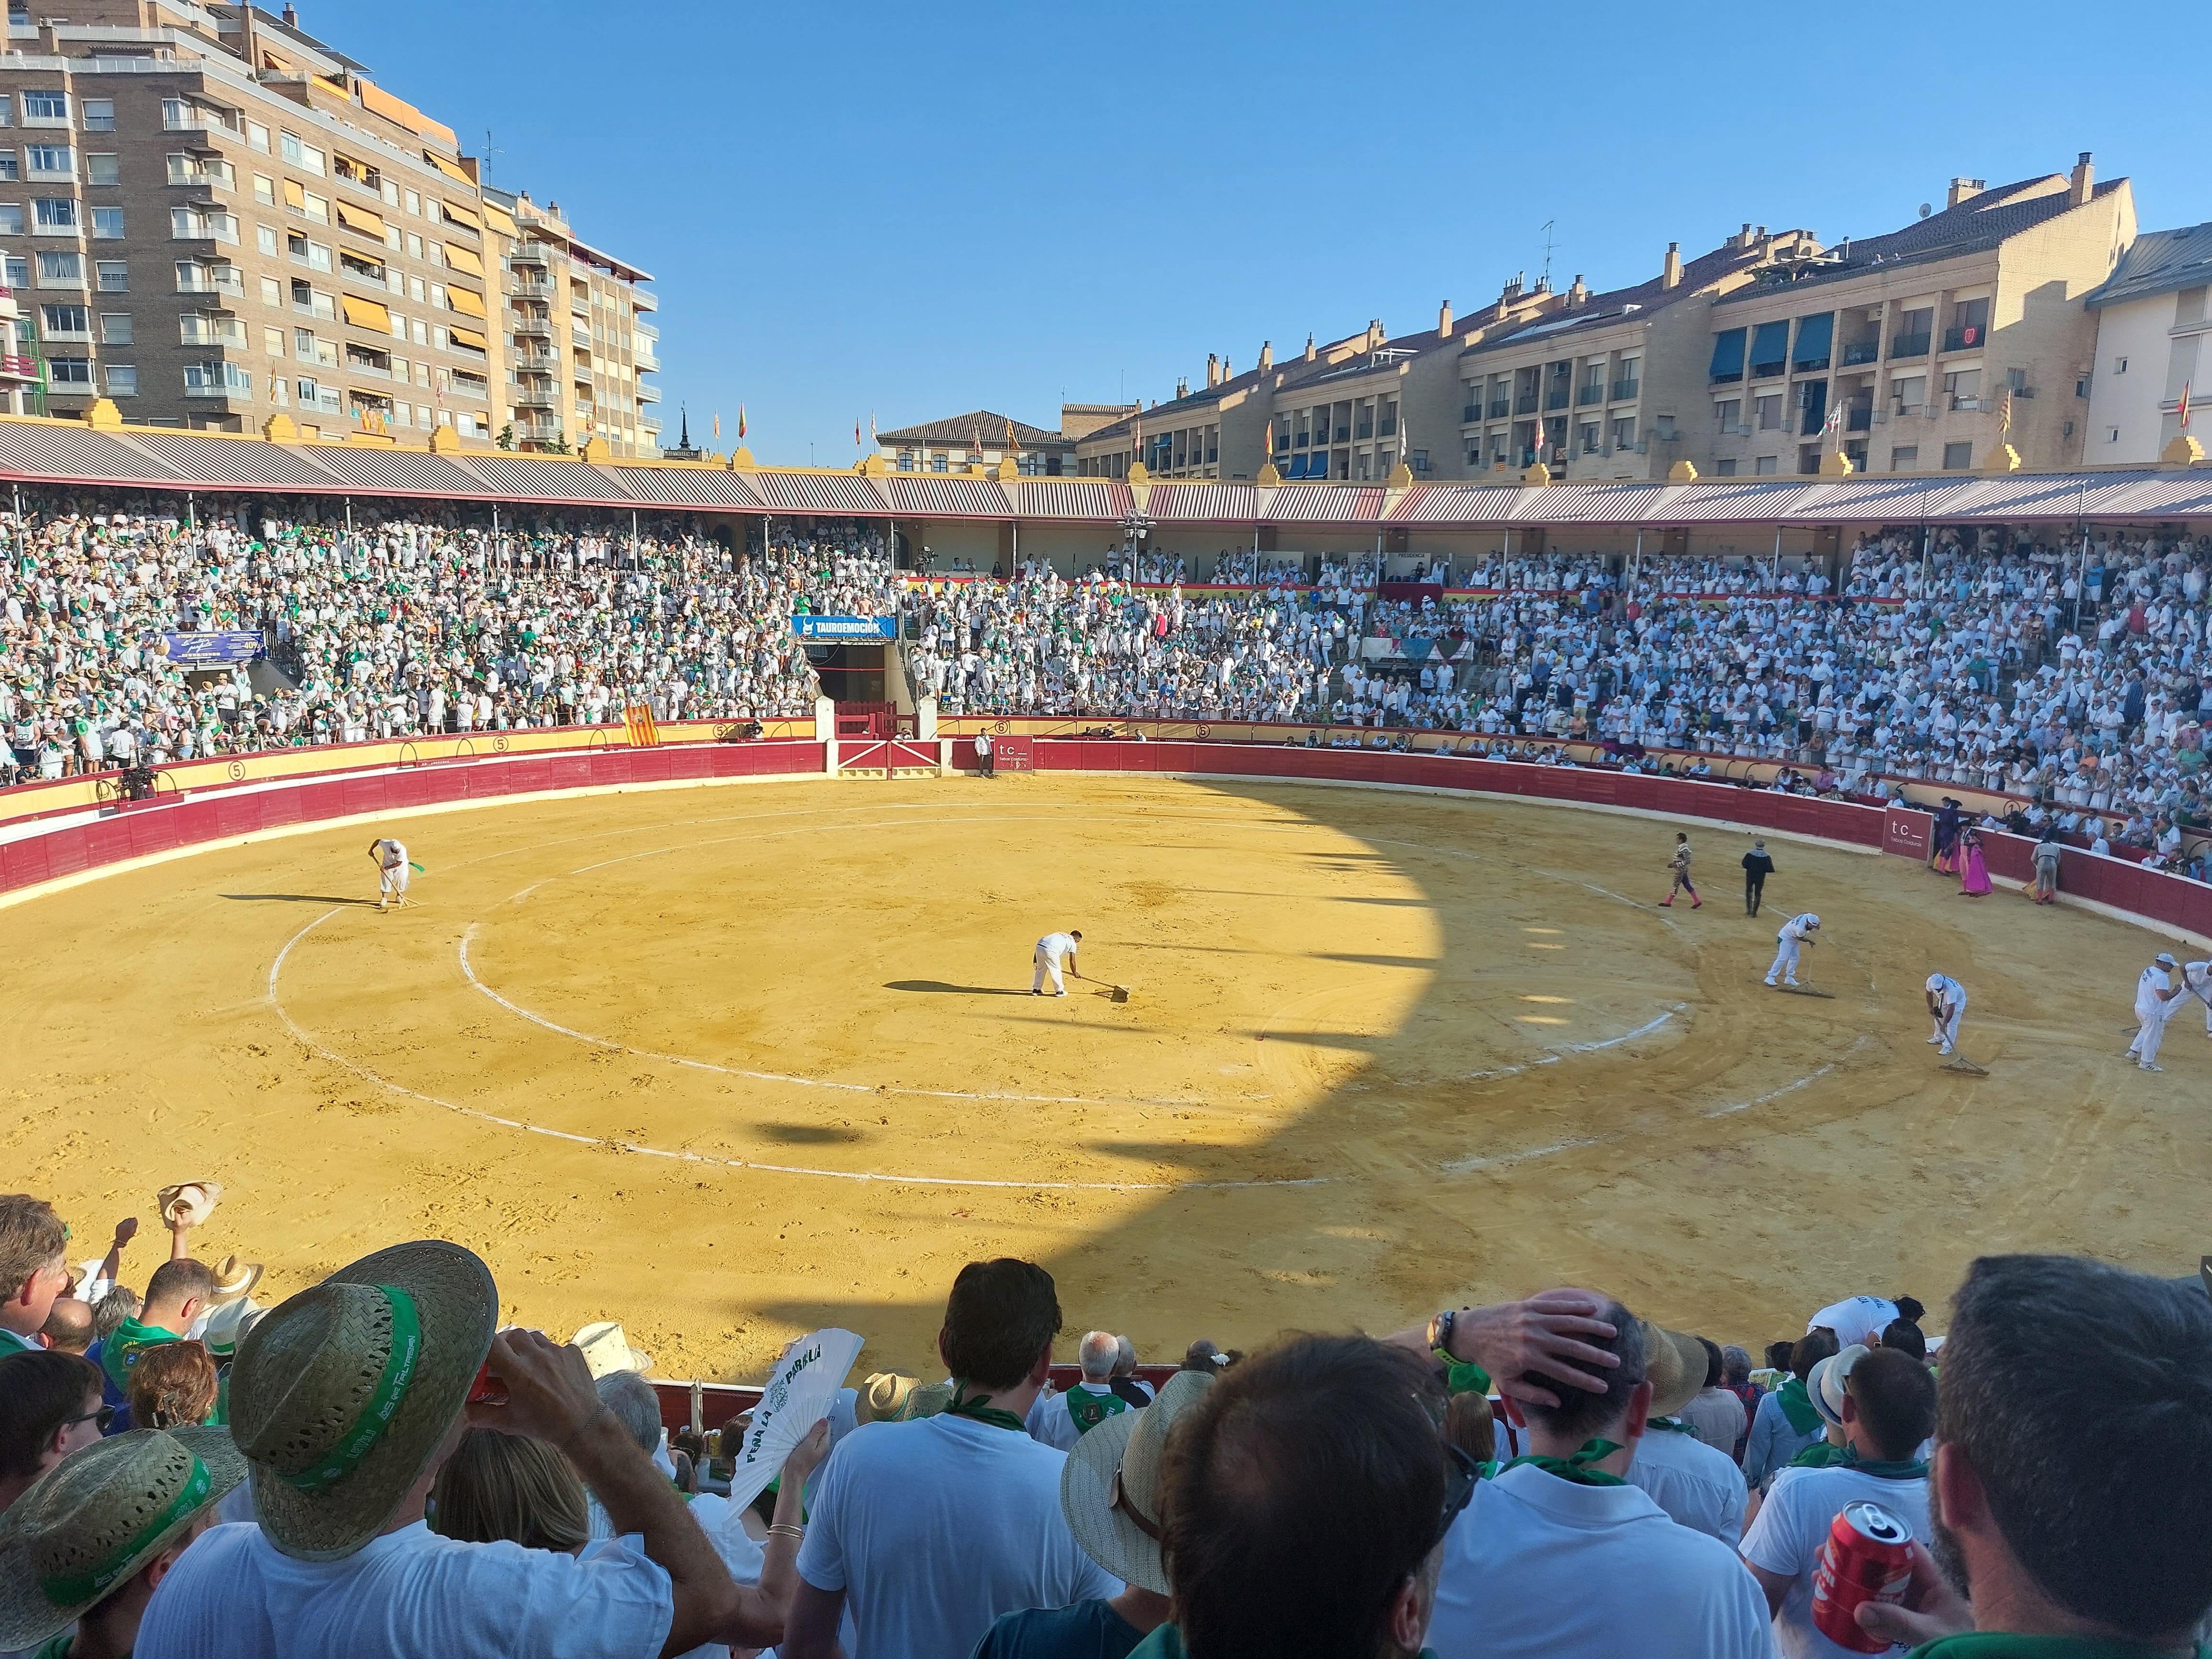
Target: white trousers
394,878
2145,1046
1047,964
1947,1027
1785,962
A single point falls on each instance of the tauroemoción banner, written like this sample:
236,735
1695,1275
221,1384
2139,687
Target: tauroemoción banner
808,627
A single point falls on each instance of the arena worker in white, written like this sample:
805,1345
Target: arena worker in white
391,871
1947,1006
2154,992
1055,951
1796,931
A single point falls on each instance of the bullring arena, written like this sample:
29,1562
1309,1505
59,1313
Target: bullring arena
742,1061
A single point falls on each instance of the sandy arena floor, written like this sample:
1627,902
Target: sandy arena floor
728,1063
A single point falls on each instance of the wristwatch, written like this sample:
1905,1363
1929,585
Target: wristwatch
1440,1330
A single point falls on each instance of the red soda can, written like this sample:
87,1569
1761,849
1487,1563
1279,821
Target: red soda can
1867,1558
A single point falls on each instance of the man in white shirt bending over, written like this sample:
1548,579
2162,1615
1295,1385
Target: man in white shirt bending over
1055,951
392,872
930,1528
1796,932
1947,1006
1888,1410
1560,1556
2153,991
1062,1420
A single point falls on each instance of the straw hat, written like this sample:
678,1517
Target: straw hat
229,1323
338,1404
1675,1366
1109,1487
234,1279
192,1200
1825,1384
90,1523
606,1350
883,1397
925,1400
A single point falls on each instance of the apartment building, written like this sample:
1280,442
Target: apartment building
980,438
217,218
579,337
2152,323
1958,342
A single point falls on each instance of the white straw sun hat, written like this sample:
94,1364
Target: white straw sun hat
1109,1488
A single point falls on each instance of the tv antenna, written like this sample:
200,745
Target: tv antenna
1548,245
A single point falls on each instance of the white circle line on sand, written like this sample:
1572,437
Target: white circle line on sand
469,972
314,1047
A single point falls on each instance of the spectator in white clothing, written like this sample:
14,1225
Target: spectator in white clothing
1560,1556
1785,1422
1699,1486
1888,1409
1061,1419
1714,1411
932,1529
345,1399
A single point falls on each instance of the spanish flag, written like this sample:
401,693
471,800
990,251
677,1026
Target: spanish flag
741,422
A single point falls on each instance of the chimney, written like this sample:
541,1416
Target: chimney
1578,292
1670,273
2084,180
1444,320
1213,369
1744,240
291,18
1962,189
1310,348
1375,334
1266,356
1182,387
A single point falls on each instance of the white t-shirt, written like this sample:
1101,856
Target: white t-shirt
1554,1570
1798,926
935,1528
1792,1525
233,1595
2150,993
723,1523
391,854
1700,1488
1949,992
1057,946
1050,1420
1856,1319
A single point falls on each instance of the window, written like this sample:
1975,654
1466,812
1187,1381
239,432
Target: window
100,115
8,171
1957,458
265,190
1770,350
115,328
316,207
272,342
112,275
42,109
1962,389
107,224
272,291
19,272
51,161
1586,436
11,219
69,372
217,381
1623,431
1663,428
1905,458
2111,435
61,267
103,169
1908,393
258,136
2119,365
288,147
1769,411
1766,466
265,238
1727,413
56,215
1724,469
66,320
6,110
122,382
414,246
414,203
1815,339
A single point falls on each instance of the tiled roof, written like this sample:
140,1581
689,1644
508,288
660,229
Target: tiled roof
966,428
1601,310
2157,261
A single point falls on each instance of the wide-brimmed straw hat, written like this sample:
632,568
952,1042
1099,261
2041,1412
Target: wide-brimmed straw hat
883,1397
1824,1385
341,1394
1676,1365
229,1323
1109,1487
234,1279
925,1400
196,1199
87,1526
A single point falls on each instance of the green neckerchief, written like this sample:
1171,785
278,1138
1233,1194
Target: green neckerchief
1821,1455
965,1405
1577,1468
2002,1645
1798,1405
1088,1410
120,1352
1671,1425
1826,1456
1462,1376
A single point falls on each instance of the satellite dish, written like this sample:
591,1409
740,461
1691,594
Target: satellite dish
1925,210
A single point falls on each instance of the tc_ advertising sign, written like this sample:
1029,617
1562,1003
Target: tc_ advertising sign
809,627
196,650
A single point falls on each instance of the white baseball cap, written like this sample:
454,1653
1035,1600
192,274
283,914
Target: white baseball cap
1935,981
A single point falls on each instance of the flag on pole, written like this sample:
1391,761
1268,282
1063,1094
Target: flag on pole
718,423
2184,406
1405,438
873,437
741,423
1269,456
2004,412
1012,447
856,432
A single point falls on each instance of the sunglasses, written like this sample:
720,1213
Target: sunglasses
105,1417
1461,1474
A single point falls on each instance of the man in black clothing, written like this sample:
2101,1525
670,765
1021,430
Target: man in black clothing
1757,867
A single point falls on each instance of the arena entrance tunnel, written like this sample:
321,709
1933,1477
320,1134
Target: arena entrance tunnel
1387,1048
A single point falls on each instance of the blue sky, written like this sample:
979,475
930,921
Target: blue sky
916,211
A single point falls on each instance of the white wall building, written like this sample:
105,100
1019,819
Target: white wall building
2152,320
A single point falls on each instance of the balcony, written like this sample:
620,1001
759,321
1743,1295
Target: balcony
1472,412
528,253
1973,336
645,330
370,369
1769,371
1594,393
1624,391
1556,398
1907,345
1859,420
645,302
1525,404
19,368
538,396
1501,408
1365,430
536,326
647,363
649,394
536,432
524,287
1861,351
546,361
1969,406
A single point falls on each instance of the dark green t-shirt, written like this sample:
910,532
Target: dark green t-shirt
1088,1630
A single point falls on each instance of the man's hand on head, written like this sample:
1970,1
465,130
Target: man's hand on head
1542,1335
550,1393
